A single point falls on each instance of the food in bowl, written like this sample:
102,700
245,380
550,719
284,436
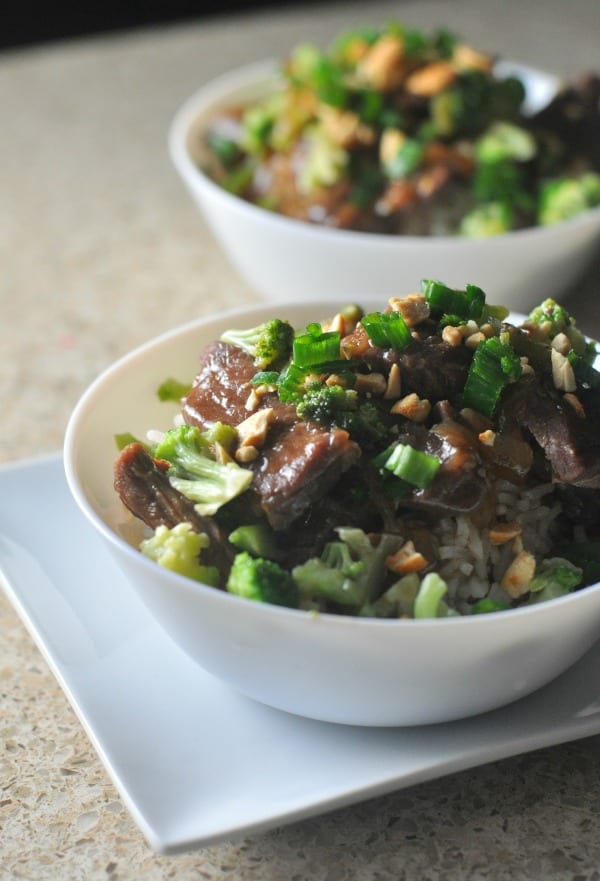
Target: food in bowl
391,130
432,459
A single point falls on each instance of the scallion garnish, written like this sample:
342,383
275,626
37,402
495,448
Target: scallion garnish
413,466
388,330
495,364
443,300
316,346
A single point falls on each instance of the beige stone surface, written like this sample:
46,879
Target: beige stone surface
101,249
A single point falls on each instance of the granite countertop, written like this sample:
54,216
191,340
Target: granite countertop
102,249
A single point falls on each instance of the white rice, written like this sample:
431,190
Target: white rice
471,565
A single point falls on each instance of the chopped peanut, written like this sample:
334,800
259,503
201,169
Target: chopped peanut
246,454
431,79
561,343
467,58
253,401
472,341
500,533
562,372
452,335
394,384
346,128
575,403
517,578
373,383
414,308
406,559
382,67
525,365
487,437
390,143
221,454
334,379
412,407
253,430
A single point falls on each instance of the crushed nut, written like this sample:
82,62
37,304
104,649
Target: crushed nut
452,335
246,454
406,559
390,143
431,79
574,402
383,65
413,308
221,454
394,384
412,407
561,343
472,341
500,533
253,430
526,366
345,128
371,383
467,58
253,401
518,576
334,379
487,330
562,372
487,437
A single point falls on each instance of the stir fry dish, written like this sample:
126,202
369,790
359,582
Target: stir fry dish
426,460
391,130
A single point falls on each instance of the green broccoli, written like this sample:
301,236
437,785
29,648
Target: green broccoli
555,577
258,539
552,319
195,472
179,550
564,198
487,220
504,140
332,405
269,343
348,572
261,580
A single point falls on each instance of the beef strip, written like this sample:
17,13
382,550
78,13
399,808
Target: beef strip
298,463
571,444
144,488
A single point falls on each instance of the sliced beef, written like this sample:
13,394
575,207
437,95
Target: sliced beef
571,444
144,488
298,463
222,386
429,367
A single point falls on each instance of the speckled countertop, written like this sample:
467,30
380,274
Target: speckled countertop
102,249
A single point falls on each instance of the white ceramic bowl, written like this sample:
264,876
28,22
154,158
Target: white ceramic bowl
329,667
286,259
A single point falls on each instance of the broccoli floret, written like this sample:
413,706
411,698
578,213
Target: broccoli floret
337,406
195,473
262,580
504,140
179,550
551,318
556,577
258,539
269,343
487,220
565,198
348,572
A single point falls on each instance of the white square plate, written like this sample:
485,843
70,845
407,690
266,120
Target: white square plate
194,761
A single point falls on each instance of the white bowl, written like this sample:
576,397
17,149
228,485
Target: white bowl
329,667
287,259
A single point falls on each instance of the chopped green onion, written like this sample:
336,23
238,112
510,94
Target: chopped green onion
443,300
124,439
487,604
427,600
388,330
265,377
495,364
413,466
316,347
172,390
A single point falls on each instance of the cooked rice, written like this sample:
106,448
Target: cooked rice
471,565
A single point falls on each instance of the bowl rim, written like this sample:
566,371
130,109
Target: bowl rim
266,71
75,426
